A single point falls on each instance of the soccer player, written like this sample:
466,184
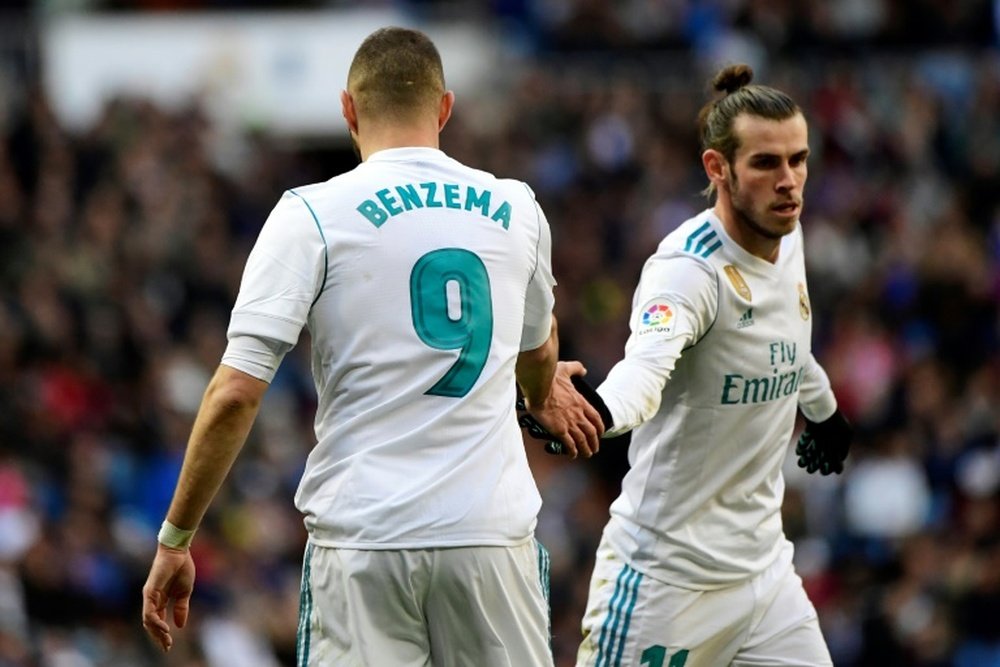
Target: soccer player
427,289
693,567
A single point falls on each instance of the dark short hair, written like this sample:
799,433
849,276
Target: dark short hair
396,72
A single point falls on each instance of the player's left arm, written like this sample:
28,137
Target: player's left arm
283,276
826,439
227,412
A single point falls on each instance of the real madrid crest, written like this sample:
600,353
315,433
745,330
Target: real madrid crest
803,302
737,281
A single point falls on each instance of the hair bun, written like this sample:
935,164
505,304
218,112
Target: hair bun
732,78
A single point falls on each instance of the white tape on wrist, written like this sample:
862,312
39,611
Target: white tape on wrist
174,537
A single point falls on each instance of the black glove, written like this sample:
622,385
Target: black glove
526,421
823,446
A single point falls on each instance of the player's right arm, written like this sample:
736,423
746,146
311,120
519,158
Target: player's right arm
674,306
553,401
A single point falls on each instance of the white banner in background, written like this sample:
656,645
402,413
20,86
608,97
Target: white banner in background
280,71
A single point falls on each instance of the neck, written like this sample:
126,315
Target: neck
744,231
375,137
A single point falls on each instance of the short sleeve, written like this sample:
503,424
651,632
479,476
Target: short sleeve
284,274
539,297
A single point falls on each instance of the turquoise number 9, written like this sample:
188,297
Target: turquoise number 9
471,332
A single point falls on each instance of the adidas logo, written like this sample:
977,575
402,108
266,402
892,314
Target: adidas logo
746,319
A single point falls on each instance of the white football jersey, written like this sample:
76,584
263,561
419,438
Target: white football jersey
420,280
718,359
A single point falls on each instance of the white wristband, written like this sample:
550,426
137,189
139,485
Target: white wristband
174,537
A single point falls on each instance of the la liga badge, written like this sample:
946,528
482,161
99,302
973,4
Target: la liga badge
657,317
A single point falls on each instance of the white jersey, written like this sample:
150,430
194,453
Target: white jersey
701,505
420,280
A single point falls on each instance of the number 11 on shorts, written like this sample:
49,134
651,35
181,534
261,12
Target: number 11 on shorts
656,654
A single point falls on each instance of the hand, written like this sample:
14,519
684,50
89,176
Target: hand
566,419
823,445
534,429
171,578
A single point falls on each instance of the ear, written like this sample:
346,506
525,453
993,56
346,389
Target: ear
444,113
716,167
349,111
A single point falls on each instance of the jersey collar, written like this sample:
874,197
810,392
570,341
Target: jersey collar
749,260
406,153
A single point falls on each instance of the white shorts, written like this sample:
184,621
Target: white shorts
449,607
634,620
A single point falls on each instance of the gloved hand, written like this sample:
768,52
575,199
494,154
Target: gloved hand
823,445
526,421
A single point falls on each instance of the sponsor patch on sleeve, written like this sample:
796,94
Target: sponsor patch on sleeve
658,316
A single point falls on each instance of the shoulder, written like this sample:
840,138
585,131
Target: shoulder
511,188
338,187
700,237
331,203
680,269
515,189
516,192
691,247
522,198
673,269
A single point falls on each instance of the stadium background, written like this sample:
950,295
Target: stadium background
123,234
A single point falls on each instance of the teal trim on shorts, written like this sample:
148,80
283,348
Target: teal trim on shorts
304,634
620,610
544,567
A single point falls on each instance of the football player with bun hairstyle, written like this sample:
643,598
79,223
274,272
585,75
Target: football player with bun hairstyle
694,567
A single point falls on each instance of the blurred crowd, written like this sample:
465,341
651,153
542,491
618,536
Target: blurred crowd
121,249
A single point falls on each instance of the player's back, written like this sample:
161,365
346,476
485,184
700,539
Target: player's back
415,335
